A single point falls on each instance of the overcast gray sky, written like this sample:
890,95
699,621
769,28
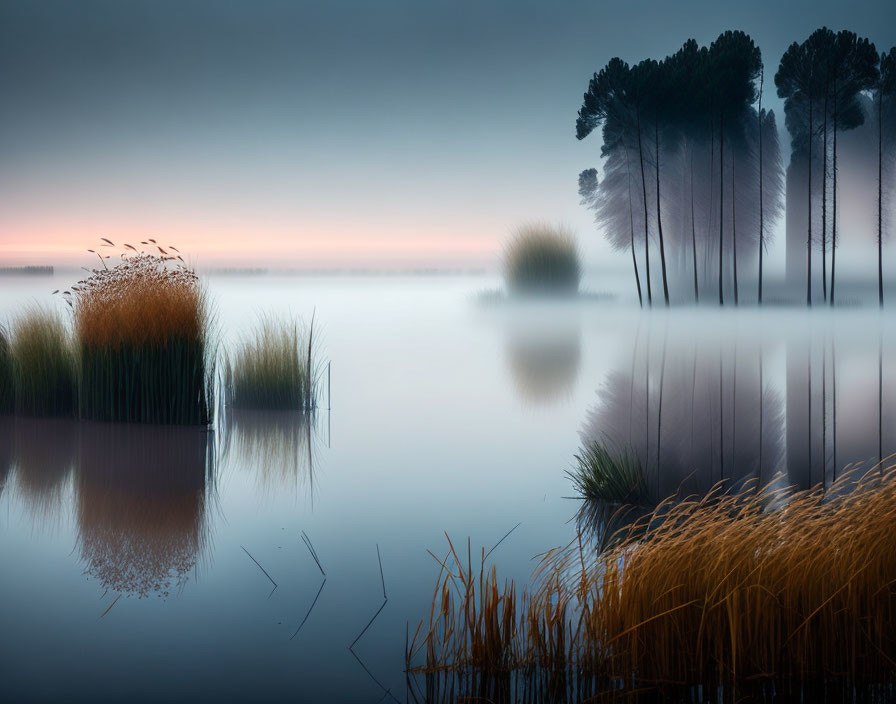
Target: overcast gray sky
342,132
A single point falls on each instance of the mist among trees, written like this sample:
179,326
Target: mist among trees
692,182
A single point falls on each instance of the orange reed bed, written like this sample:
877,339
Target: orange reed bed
143,343
725,591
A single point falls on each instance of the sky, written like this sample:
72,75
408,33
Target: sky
329,134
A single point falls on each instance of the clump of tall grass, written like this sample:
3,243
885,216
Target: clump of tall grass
143,336
725,590
542,259
42,364
612,477
7,388
275,368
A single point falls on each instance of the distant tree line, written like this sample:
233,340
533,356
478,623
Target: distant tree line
693,170
26,270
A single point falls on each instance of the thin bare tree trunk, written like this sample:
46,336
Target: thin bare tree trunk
761,221
721,201
880,176
694,229
834,195
644,193
809,219
824,202
734,226
712,194
631,215
659,219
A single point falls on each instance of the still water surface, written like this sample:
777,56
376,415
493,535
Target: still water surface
141,562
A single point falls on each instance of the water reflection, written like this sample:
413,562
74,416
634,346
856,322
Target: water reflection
544,359
141,493
43,452
142,504
692,413
840,406
277,446
697,410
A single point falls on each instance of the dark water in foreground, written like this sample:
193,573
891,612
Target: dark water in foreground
141,562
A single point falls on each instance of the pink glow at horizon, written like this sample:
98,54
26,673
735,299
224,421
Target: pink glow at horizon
44,244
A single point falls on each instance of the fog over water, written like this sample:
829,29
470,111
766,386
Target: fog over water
131,551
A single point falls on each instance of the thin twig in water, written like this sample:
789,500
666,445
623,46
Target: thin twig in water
382,578
111,605
369,624
370,674
314,557
310,609
313,552
261,568
506,535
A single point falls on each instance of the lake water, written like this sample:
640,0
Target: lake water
140,563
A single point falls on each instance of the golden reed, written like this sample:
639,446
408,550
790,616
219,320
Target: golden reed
726,589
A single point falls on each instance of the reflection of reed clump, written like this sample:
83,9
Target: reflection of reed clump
544,365
277,445
43,449
730,590
142,493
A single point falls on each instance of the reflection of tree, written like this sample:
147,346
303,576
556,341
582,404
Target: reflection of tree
544,363
43,451
694,412
840,405
142,493
277,445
